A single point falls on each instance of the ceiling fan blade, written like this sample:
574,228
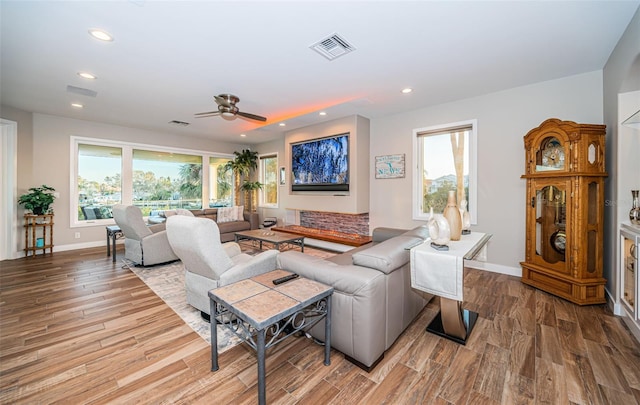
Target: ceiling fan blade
251,116
208,112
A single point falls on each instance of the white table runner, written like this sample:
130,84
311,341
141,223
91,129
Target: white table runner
441,272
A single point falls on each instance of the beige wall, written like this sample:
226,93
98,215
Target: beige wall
503,119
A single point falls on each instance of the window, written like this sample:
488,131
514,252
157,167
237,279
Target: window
445,158
166,180
220,183
153,178
269,180
99,181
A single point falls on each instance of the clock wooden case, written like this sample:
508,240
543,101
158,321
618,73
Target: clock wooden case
565,174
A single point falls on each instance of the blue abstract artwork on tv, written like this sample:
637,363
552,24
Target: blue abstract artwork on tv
321,164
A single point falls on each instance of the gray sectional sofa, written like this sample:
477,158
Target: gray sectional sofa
373,302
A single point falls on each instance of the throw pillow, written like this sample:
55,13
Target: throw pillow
225,214
229,214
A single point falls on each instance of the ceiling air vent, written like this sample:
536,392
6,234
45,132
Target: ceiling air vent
179,123
332,47
81,91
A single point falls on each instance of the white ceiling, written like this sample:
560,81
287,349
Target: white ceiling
169,58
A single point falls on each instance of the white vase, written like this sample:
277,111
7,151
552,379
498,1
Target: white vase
439,230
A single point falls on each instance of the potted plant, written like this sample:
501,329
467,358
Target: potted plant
242,166
250,187
38,199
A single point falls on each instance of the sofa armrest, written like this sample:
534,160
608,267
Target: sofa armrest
387,256
232,249
156,249
155,228
253,218
380,234
259,264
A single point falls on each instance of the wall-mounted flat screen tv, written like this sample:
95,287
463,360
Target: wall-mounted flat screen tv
321,164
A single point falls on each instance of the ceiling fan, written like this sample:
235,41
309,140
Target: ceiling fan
228,110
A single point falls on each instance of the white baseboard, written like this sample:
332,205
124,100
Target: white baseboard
613,304
494,268
73,246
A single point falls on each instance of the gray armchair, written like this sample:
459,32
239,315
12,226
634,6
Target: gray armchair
208,263
144,245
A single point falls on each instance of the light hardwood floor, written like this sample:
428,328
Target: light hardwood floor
76,328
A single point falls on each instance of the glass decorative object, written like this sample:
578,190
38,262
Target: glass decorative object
466,218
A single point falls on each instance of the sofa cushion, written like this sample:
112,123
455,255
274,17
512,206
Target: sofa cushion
234,226
388,255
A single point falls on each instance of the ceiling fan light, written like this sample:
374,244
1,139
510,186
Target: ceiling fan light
227,115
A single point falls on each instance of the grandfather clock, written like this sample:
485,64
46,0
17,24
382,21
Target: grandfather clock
565,210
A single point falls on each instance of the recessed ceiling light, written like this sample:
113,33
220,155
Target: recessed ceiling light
101,35
243,135
282,124
323,113
87,75
77,105
407,90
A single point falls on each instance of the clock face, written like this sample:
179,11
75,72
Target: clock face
553,155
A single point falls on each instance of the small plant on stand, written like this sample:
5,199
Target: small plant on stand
38,199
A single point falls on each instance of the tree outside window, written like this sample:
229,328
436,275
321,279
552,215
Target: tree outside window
269,180
99,181
445,157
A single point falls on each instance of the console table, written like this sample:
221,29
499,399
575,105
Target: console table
263,314
442,273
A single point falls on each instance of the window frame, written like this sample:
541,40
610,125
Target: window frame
261,175
126,173
418,213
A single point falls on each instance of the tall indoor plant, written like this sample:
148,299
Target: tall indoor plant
243,166
38,199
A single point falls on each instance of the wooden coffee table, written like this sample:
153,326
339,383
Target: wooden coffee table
263,314
273,237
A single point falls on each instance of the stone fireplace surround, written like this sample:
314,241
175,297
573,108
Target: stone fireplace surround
341,228
333,221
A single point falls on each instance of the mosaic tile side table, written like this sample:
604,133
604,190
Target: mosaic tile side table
263,314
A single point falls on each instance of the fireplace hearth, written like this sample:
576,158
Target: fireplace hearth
350,239
345,229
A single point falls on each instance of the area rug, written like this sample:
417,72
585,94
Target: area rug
167,281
